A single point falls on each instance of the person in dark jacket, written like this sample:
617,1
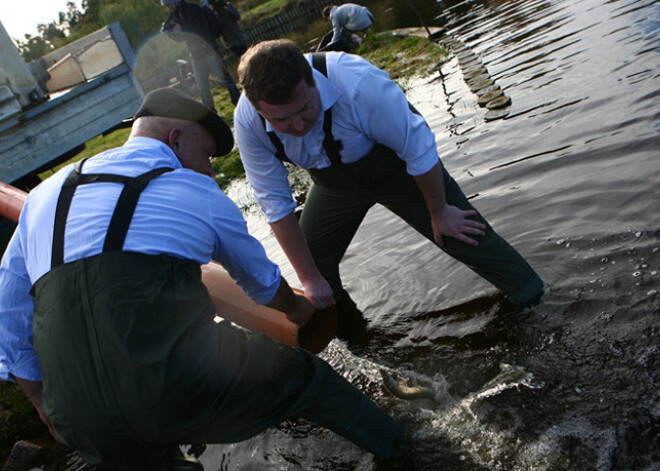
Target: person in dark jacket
232,36
187,17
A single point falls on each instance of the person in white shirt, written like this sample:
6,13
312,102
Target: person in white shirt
107,327
346,19
351,127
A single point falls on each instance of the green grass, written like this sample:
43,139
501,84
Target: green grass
93,147
268,8
402,56
255,11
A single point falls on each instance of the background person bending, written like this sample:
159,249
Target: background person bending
346,20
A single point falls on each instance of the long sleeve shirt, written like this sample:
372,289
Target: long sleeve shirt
367,108
350,16
181,214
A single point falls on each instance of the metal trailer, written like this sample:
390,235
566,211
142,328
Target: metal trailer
51,107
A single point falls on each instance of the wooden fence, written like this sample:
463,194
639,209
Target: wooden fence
284,23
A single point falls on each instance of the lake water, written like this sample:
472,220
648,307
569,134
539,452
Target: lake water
571,177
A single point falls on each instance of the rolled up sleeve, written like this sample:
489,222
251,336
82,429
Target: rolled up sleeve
265,173
240,253
17,356
385,115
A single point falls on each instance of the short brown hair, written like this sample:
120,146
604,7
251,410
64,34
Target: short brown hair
326,11
271,70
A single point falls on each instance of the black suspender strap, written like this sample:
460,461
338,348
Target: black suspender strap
123,213
61,214
279,147
331,146
319,63
121,218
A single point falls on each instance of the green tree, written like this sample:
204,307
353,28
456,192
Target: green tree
139,19
33,47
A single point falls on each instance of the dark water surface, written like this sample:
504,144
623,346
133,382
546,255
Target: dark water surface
571,177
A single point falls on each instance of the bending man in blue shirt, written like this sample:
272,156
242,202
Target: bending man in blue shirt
105,322
351,127
346,20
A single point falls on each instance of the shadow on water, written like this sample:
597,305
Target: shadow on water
571,177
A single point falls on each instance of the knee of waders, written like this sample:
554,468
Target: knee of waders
351,324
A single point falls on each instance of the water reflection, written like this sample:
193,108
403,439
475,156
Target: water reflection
571,177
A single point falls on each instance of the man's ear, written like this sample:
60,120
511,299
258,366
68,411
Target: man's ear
174,139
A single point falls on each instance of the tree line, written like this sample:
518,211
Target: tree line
139,19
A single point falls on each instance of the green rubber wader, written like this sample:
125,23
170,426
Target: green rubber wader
341,195
133,362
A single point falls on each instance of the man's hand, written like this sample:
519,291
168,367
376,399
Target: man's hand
291,239
302,311
454,222
446,220
319,292
297,308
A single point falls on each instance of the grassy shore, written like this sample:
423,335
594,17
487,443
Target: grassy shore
402,57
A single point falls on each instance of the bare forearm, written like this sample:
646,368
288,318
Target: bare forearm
432,186
447,220
291,239
34,392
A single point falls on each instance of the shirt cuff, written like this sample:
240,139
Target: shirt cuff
25,366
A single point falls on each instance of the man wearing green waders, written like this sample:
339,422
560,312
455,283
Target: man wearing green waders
350,126
106,325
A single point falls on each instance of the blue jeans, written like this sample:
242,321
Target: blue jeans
209,62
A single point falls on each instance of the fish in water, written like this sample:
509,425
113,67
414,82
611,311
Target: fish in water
406,389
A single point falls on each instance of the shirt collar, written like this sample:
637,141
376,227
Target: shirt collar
158,153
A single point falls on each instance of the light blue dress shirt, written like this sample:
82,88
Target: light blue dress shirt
351,16
181,213
367,108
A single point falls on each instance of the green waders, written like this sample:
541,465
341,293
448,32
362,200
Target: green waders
133,362
342,194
